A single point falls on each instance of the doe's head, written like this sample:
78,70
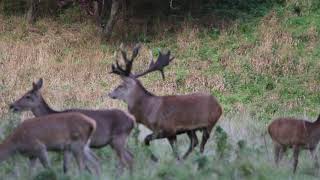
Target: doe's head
30,99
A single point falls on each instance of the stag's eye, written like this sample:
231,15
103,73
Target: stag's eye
28,97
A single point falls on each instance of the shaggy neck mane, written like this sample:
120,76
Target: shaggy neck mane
144,89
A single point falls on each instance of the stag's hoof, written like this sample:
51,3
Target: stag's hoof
154,158
147,140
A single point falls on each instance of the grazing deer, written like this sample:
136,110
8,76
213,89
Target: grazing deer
296,134
166,116
67,132
113,126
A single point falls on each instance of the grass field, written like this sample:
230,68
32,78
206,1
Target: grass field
261,60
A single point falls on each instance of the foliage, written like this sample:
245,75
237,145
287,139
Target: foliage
9,7
222,142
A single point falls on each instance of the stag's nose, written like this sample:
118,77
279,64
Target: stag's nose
111,96
13,108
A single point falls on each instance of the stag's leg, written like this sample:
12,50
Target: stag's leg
152,137
205,137
66,160
314,156
112,18
193,142
276,149
283,149
296,151
173,143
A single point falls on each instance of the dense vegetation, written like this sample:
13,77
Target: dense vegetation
259,58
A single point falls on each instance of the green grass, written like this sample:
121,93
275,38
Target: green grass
236,151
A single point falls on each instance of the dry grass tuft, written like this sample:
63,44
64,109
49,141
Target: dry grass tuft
67,58
274,55
187,39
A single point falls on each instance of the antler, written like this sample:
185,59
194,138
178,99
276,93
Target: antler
117,69
162,61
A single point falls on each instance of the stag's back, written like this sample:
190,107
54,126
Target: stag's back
190,111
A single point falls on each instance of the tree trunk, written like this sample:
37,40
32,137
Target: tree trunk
32,12
112,19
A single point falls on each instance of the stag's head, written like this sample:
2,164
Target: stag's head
29,100
131,86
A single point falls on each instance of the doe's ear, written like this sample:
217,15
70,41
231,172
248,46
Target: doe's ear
37,85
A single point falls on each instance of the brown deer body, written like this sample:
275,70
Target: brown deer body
113,126
296,134
67,132
166,116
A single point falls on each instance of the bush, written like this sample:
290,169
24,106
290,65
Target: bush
10,7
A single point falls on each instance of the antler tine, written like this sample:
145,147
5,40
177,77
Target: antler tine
162,61
123,52
135,51
151,59
116,68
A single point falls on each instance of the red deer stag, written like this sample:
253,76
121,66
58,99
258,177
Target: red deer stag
296,134
67,132
166,116
113,126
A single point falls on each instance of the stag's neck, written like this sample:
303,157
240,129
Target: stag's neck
139,99
137,104
7,149
140,105
145,111
43,109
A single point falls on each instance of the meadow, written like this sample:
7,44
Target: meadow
260,59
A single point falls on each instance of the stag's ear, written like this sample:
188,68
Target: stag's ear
38,85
